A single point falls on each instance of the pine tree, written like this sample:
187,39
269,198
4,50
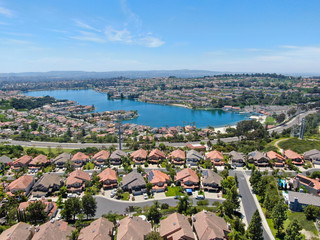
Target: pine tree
279,215
255,231
293,231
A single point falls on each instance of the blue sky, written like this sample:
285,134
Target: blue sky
110,35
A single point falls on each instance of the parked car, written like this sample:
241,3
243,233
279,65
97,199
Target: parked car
201,197
145,196
177,197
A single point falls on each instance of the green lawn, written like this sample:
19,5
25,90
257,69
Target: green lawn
301,218
270,121
174,191
299,146
53,150
125,196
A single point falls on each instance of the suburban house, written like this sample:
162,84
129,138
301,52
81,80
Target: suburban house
108,177
215,157
211,181
53,230
156,156
187,178
276,159
259,159
197,147
237,159
133,228
23,183
193,157
51,208
313,156
76,181
19,231
296,158
311,185
99,229
208,225
61,160
139,156
176,226
298,200
159,180
116,157
38,162
101,158
178,157
134,183
79,159
21,162
47,184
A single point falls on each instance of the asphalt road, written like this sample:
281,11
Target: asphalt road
104,205
247,200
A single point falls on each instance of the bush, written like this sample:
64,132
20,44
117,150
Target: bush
203,203
164,206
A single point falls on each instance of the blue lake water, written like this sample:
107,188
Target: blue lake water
154,115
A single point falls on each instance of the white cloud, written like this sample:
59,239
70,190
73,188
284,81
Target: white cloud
115,35
6,12
151,42
82,24
89,36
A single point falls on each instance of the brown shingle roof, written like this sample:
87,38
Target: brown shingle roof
155,176
80,156
176,226
209,226
273,155
292,155
141,153
133,228
156,153
19,231
100,229
41,159
53,231
78,176
214,155
23,160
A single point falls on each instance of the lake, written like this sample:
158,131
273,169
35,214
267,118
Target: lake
154,115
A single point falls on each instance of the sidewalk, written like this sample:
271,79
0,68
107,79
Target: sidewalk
263,218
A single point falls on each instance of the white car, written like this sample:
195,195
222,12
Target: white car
145,196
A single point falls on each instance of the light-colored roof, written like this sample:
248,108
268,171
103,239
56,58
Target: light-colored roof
155,176
304,198
133,179
236,155
103,154
193,154
19,231
63,157
209,226
292,155
256,155
176,226
108,174
178,154
157,153
49,179
118,154
56,230
80,156
141,153
210,177
133,228
312,153
5,159
273,155
187,174
215,154
77,176
40,159
21,183
100,229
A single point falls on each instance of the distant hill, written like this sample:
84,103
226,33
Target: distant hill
128,74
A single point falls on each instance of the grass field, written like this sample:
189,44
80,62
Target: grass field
53,150
299,146
270,121
301,218
125,196
173,191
